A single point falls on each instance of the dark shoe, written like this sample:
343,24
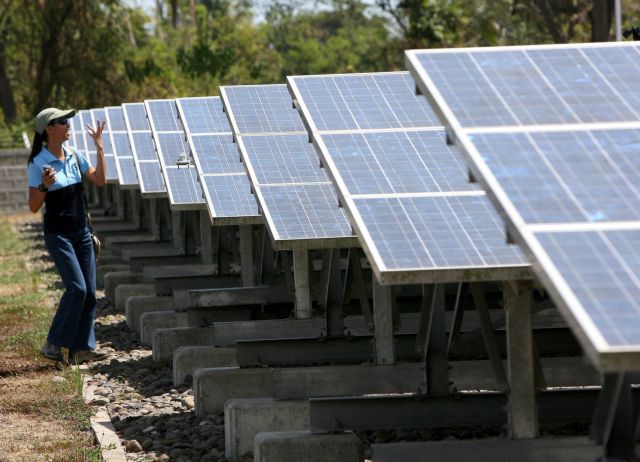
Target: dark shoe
85,356
51,351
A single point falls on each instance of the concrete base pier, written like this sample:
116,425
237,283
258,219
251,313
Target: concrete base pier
139,304
166,341
213,387
307,447
154,321
495,450
124,291
245,418
113,280
189,358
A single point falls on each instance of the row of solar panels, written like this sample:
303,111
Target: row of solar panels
405,193
550,132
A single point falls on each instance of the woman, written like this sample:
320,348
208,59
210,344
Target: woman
55,179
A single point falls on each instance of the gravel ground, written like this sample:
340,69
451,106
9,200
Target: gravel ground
154,419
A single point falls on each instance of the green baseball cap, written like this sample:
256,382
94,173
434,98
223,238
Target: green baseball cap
46,116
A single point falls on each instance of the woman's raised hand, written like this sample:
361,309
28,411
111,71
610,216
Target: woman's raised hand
96,133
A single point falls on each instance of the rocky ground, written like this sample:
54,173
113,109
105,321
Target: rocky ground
154,419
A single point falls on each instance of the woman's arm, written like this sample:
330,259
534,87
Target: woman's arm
36,197
98,175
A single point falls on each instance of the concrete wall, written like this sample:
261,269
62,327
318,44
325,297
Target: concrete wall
13,180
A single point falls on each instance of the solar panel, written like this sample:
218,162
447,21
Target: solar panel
86,144
557,152
222,176
99,116
76,134
297,199
344,102
143,150
185,192
407,193
125,166
260,109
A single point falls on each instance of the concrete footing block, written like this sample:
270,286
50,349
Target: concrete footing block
166,341
124,291
153,321
114,279
496,450
103,268
189,358
245,418
150,273
213,387
298,446
136,305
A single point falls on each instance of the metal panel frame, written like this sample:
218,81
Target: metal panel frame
130,132
605,357
121,182
278,242
110,180
215,220
177,207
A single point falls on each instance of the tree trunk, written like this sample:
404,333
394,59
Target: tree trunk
7,100
49,50
601,15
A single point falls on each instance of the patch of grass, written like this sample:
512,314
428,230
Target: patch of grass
27,303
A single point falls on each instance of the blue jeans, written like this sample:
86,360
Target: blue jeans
72,325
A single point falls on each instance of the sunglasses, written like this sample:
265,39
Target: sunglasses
62,121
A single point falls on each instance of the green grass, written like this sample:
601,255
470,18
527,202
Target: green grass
27,304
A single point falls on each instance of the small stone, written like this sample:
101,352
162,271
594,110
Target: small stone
214,453
147,444
149,429
188,402
133,446
58,379
163,458
99,402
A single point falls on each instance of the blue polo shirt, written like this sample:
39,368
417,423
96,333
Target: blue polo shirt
64,202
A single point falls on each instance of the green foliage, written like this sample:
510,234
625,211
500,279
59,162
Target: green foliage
93,53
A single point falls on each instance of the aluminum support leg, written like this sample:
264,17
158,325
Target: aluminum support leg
154,218
206,238
246,255
488,334
437,367
523,413
361,288
301,281
333,311
383,320
177,231
134,203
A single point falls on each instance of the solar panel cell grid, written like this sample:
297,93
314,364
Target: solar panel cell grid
205,115
569,191
295,195
143,149
299,210
557,177
282,159
397,162
230,196
171,146
217,154
224,182
262,109
345,102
